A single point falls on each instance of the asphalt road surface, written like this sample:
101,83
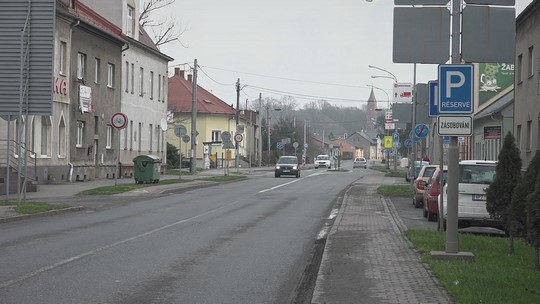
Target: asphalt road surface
242,242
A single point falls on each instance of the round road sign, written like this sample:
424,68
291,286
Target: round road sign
238,137
225,136
119,120
180,130
185,138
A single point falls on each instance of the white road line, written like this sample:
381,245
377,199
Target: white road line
99,249
279,186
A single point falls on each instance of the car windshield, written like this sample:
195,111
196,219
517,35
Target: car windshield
287,160
323,157
476,174
428,172
360,160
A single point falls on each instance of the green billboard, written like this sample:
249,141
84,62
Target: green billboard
493,79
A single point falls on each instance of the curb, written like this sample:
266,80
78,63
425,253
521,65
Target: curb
40,214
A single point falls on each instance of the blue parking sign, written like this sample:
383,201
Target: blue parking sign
433,87
456,87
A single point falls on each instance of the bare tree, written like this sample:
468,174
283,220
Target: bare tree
165,30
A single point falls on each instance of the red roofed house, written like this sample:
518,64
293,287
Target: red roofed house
214,116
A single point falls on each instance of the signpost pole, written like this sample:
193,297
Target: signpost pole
180,157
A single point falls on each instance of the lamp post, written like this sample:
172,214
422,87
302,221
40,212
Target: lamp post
387,129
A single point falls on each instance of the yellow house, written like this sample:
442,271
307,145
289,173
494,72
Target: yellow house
214,117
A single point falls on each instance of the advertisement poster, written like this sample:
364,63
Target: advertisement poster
494,78
85,99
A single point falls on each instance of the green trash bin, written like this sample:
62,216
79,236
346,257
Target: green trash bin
146,169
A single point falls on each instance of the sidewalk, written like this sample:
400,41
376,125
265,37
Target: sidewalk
367,259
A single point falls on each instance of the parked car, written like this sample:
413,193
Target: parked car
474,179
323,160
359,162
418,166
419,185
287,165
431,194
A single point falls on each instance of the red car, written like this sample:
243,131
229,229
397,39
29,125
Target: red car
431,208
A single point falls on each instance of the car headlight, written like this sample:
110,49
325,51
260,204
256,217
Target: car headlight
295,167
277,167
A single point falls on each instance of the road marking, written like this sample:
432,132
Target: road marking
279,186
99,249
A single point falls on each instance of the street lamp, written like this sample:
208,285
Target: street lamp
384,91
383,70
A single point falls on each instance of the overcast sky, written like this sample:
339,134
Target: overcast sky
308,49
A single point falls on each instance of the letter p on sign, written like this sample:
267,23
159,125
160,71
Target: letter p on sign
451,76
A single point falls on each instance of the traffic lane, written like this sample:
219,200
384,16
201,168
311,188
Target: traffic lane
215,237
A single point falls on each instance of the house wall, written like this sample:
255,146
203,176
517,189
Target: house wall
526,88
145,108
92,159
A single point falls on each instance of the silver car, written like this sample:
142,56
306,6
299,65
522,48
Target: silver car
359,162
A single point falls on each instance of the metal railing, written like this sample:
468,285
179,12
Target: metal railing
9,159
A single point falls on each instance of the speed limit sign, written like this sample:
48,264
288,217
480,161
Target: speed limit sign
238,137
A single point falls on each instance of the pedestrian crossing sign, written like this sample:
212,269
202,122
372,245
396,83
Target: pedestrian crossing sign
388,142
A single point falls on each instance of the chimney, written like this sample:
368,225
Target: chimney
189,77
178,72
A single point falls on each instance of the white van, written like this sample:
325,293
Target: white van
474,179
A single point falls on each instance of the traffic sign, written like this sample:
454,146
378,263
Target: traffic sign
454,125
395,137
180,130
279,145
225,136
119,120
408,143
387,141
238,137
456,87
421,130
433,88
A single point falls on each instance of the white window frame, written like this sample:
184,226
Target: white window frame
130,28
127,76
81,66
132,78
151,85
141,81
159,88
216,135
62,138
80,134
519,72
63,54
97,70
108,130
46,136
110,75
151,139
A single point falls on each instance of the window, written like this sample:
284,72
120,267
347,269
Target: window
140,137
131,135
159,88
127,77
97,70
132,77
141,82
216,135
109,137
63,50
62,138
110,75
130,29
528,140
151,137
125,131
530,65
163,89
45,135
158,138
81,66
80,134
151,84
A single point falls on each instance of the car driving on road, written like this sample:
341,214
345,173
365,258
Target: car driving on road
323,160
360,162
287,165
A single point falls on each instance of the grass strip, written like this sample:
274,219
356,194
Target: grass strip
494,277
221,179
31,207
395,190
121,188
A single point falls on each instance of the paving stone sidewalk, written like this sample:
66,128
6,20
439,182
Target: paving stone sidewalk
367,259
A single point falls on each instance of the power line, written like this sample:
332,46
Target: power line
305,96
288,79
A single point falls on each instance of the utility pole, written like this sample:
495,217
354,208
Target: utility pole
268,130
260,130
193,168
237,120
305,143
